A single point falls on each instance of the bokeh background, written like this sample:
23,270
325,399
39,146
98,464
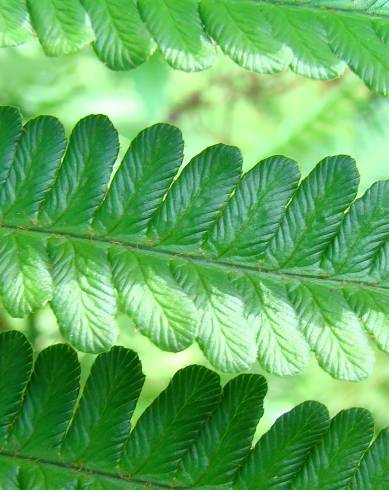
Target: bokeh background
285,114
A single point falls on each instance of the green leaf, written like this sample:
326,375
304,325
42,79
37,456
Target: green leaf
193,435
173,422
279,455
32,170
149,293
316,39
373,472
362,45
314,216
353,255
331,463
25,280
332,330
281,346
226,439
81,181
178,31
15,27
253,213
242,32
305,34
122,41
62,26
15,366
10,131
83,295
224,333
99,427
42,420
196,198
253,266
149,166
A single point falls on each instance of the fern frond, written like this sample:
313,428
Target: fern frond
253,265
315,38
194,435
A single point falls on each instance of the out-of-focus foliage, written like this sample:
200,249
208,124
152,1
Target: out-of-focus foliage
262,115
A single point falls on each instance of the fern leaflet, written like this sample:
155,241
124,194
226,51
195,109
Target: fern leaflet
253,265
194,435
314,38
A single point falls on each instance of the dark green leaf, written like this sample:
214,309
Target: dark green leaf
192,436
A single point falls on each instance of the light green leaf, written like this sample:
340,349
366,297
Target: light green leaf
281,346
25,281
372,308
314,38
332,330
84,299
153,298
225,335
15,27
62,26
178,31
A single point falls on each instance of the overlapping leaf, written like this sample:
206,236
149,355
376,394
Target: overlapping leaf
249,266
194,435
314,38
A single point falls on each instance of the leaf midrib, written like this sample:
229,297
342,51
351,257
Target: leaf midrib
77,470
202,259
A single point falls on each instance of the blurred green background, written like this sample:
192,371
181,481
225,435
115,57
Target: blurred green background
285,114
